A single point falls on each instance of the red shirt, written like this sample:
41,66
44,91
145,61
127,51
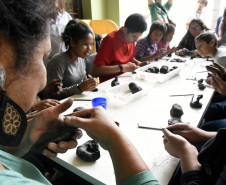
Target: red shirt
114,50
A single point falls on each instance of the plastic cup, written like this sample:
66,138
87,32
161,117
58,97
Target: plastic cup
99,101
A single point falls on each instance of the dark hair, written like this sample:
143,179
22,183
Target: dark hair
169,29
158,25
188,41
203,1
207,37
75,31
25,24
136,23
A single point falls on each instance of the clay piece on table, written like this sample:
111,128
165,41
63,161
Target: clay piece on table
196,103
134,88
153,69
164,69
176,111
115,82
201,86
89,151
55,135
78,109
95,90
178,60
173,121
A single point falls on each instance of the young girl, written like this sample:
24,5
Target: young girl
146,49
70,66
165,42
187,44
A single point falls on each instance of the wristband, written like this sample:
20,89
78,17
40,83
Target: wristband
120,67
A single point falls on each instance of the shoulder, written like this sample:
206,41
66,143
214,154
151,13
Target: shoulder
58,59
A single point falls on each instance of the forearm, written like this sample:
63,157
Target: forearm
148,58
222,28
189,160
105,70
126,160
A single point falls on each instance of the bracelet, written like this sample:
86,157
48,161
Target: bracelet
120,67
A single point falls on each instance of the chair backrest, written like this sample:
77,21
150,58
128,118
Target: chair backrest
89,63
103,27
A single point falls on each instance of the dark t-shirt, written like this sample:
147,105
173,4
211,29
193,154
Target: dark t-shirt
225,11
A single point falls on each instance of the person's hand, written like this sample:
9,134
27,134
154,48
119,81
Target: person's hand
174,144
181,52
88,84
218,84
44,104
47,119
159,53
219,42
130,67
195,53
53,87
170,51
99,126
217,69
137,62
192,134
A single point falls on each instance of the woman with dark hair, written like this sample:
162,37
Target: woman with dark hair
70,66
165,42
187,44
146,49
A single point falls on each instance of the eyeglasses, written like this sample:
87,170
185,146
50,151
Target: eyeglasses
195,28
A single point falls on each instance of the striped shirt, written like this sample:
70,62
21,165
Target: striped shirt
144,48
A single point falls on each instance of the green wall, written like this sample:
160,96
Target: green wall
101,9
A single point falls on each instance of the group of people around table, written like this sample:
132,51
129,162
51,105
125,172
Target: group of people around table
25,42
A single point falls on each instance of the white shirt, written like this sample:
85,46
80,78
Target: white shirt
203,16
220,56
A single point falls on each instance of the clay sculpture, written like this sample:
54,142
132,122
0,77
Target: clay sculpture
196,103
56,134
89,151
134,88
176,111
115,82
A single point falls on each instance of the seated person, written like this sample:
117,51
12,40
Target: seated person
206,44
215,116
146,48
205,167
198,13
165,42
187,44
70,66
22,86
117,49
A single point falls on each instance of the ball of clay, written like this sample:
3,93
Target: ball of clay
89,151
164,69
156,69
78,109
201,86
176,111
134,88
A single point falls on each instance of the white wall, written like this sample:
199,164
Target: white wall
178,13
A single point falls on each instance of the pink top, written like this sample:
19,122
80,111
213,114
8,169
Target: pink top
161,44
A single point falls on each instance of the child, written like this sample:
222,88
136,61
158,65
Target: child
146,48
206,44
164,43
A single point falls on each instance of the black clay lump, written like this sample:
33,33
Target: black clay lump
134,88
164,69
115,82
176,111
55,135
89,151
